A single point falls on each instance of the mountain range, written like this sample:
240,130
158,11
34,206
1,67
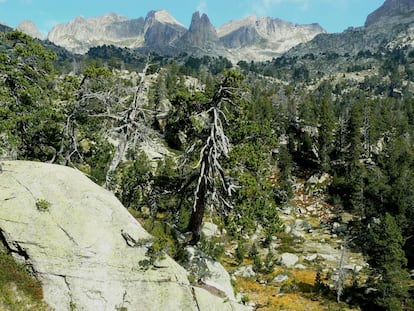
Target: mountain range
251,38
388,27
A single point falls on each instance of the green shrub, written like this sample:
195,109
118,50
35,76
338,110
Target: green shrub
213,247
241,252
43,205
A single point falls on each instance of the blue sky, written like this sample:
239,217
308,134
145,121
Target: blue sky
333,15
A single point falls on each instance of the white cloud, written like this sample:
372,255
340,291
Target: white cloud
2,1
262,7
202,6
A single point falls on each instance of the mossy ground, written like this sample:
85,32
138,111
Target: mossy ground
18,289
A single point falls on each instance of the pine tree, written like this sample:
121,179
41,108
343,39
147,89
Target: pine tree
212,185
388,260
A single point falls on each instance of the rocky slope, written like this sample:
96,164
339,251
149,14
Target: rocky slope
388,27
392,12
82,33
260,37
87,250
251,38
161,29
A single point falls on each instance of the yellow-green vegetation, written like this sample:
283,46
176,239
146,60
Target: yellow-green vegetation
18,289
43,205
300,297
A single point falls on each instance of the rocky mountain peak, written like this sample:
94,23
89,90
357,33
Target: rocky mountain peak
161,16
251,38
29,28
201,31
258,37
161,29
82,33
392,12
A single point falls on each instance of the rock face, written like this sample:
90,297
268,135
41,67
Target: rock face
161,29
82,33
209,273
263,36
29,28
201,32
86,249
388,27
392,11
249,39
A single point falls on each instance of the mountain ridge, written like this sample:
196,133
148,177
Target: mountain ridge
252,39
391,12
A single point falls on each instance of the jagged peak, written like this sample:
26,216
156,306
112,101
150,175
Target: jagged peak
163,16
197,19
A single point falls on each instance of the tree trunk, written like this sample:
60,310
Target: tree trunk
197,215
196,219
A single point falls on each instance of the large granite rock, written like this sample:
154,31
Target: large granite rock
209,273
86,249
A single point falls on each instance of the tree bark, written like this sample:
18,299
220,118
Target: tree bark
197,215
196,219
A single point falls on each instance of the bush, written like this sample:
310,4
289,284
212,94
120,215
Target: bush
241,251
214,247
43,205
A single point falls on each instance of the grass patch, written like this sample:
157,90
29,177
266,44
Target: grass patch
289,243
18,289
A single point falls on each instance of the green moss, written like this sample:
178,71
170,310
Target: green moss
43,205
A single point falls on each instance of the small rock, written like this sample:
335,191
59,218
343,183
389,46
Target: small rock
355,268
300,266
298,234
288,229
246,272
288,260
301,225
328,257
287,210
310,208
210,230
310,257
280,278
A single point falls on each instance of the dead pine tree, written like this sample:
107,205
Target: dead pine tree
130,126
213,187
342,272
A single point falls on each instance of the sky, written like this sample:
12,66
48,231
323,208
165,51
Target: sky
333,15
